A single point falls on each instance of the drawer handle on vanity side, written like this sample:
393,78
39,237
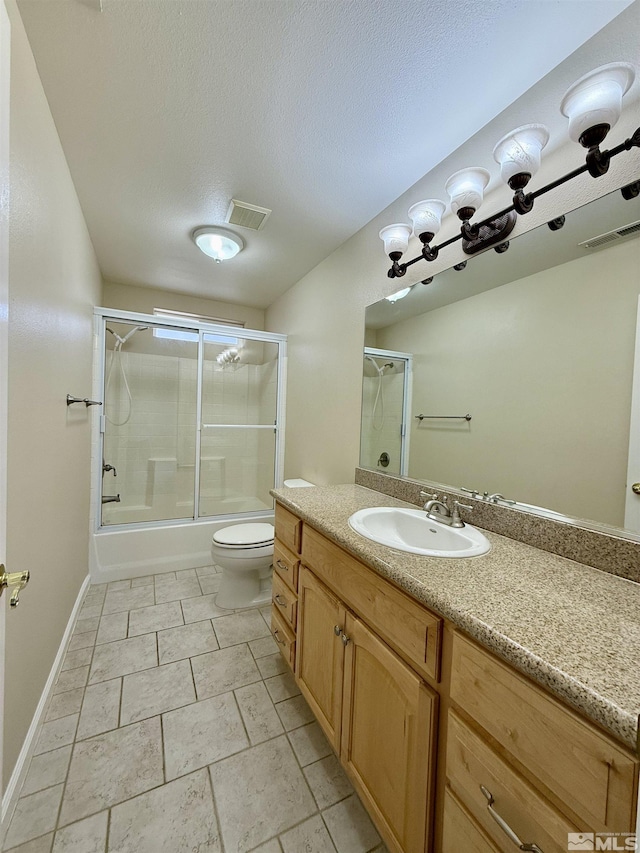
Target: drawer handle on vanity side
504,826
277,637
282,566
279,600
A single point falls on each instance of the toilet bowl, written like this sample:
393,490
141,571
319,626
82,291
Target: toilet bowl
244,552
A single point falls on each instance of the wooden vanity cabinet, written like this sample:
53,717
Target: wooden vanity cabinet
284,586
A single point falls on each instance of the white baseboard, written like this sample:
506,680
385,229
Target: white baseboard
10,798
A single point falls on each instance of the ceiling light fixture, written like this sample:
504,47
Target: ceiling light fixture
218,243
399,294
593,105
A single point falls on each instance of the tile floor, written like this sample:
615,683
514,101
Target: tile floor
175,727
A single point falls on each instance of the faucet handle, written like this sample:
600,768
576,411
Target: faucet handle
457,504
456,520
432,496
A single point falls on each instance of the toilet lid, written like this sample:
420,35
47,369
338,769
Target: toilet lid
245,534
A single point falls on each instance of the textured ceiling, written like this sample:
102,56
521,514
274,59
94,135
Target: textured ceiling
324,111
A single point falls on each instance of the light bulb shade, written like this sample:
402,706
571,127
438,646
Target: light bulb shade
399,294
396,237
466,188
218,243
596,98
427,216
519,152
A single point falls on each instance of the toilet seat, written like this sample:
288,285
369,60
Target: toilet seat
244,536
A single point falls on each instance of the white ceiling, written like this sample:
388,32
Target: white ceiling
323,110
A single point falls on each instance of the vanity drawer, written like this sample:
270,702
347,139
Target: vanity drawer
471,763
584,768
284,601
460,832
285,565
414,632
284,637
288,528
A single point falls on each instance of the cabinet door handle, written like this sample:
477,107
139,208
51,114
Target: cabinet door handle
337,630
282,566
277,637
345,640
279,600
504,826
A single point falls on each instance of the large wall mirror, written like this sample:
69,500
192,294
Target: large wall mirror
537,346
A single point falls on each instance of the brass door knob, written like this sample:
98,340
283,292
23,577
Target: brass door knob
15,579
636,488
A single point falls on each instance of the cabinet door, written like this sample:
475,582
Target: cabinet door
388,738
320,655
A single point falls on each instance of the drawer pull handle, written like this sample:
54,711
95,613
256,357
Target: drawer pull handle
282,566
279,600
337,630
345,640
277,637
504,826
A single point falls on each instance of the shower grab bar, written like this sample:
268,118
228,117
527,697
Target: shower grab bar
444,417
85,400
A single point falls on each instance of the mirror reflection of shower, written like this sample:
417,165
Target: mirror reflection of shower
385,397
116,359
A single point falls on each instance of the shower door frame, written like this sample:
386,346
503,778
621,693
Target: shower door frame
405,432
101,317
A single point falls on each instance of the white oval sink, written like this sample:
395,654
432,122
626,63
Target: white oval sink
410,530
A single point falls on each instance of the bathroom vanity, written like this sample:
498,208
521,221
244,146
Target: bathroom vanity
475,704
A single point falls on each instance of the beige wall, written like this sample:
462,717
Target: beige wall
544,364
54,283
323,314
144,299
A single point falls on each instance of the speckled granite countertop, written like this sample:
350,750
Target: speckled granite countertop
573,629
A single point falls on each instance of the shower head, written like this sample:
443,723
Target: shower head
388,364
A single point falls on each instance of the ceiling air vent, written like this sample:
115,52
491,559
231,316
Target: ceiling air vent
616,235
247,215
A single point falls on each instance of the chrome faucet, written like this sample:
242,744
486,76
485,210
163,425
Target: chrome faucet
438,510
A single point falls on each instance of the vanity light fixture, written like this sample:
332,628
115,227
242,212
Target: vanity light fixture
218,243
593,105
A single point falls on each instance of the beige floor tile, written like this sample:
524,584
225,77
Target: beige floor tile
294,713
127,599
174,590
176,817
272,846
56,733
204,607
222,671
46,770
202,733
183,574
186,641
38,845
84,625
240,628
147,580
153,691
310,836
35,815
116,585
258,713
309,744
86,836
282,687
93,599
123,657
210,583
155,618
89,611
262,648
77,657
328,781
82,641
63,704
272,665
100,709
111,768
207,571
113,627
350,827
71,679
259,793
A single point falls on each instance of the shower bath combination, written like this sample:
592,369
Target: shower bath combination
117,356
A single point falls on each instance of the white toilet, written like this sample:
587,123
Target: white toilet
244,552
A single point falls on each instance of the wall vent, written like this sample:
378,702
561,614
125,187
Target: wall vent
622,233
247,215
